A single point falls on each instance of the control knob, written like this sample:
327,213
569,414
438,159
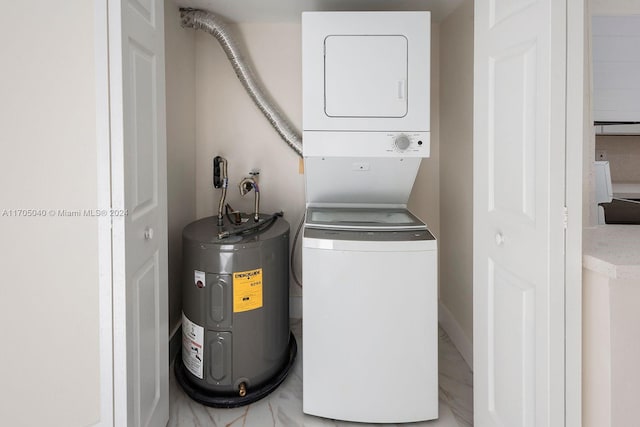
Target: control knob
402,142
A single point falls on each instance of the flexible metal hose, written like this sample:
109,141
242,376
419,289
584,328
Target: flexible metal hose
225,184
256,225
214,25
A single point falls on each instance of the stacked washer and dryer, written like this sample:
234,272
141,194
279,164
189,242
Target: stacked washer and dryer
369,265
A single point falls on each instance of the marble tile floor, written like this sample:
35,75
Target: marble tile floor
283,407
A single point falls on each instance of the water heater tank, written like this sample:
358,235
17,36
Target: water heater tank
236,341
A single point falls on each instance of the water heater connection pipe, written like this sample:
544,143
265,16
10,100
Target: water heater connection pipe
225,183
212,24
246,185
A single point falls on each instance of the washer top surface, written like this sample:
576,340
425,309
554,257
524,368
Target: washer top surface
378,219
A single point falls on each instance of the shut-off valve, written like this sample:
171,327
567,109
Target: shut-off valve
248,184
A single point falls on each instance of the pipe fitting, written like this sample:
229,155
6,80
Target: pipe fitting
242,389
246,185
220,164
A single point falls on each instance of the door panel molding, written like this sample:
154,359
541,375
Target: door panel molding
143,157
144,299
511,348
500,10
517,66
146,9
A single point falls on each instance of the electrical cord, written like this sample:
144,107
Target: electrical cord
293,253
267,222
228,208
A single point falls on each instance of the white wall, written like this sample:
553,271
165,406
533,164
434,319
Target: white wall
49,364
181,146
228,124
456,172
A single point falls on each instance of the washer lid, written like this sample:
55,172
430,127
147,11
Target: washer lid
362,219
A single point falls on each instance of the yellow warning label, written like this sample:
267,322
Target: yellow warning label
247,290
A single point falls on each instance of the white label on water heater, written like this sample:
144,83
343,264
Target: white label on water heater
192,346
199,278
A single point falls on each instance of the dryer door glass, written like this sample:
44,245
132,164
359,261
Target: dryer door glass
366,76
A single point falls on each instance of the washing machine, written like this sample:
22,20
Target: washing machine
369,265
370,316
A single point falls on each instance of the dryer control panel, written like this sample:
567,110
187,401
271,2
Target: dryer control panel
370,144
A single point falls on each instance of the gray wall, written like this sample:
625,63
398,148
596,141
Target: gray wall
424,200
456,167
181,158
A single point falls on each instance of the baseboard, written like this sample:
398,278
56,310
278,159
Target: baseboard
175,341
455,332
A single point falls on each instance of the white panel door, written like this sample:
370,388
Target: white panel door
519,182
138,150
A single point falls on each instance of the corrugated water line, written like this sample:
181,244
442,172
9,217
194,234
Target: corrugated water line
214,25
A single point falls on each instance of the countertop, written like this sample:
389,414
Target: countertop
612,250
